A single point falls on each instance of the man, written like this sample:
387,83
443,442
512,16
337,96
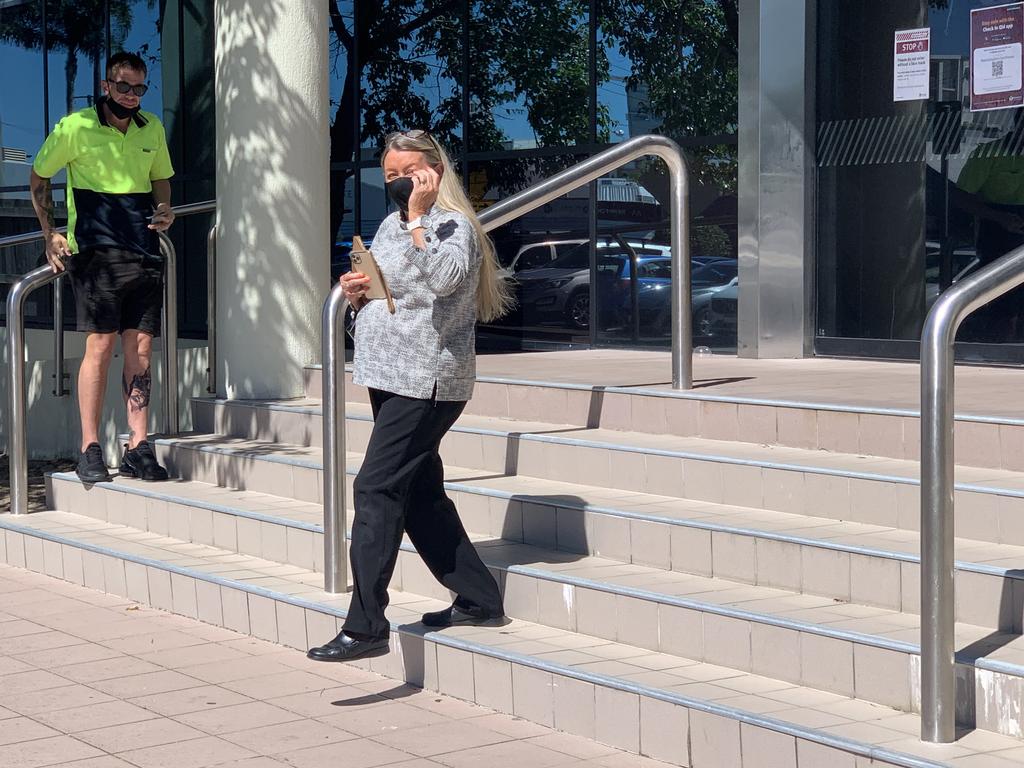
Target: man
118,198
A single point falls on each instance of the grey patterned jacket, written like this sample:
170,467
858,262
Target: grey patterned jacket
430,339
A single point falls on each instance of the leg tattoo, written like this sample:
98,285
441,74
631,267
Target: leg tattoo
138,390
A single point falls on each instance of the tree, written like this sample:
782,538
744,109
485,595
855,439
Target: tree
74,26
684,53
537,50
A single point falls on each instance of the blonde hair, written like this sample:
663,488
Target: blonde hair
494,293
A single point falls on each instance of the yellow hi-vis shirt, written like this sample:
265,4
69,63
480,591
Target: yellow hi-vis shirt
110,178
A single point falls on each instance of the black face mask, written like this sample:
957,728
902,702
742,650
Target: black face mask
120,111
400,190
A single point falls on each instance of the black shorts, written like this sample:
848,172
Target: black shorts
117,290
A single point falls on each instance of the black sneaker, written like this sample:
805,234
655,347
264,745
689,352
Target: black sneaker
140,462
91,467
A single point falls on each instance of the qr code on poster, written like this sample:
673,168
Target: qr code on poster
997,69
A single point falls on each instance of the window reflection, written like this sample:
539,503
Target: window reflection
344,83
526,97
529,74
76,40
135,26
411,61
943,179
661,67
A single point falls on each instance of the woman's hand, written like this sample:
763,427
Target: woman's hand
355,285
425,185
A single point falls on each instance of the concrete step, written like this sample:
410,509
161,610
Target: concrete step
848,487
858,426
858,650
662,705
842,561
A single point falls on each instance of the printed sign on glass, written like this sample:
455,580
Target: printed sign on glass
997,66
910,66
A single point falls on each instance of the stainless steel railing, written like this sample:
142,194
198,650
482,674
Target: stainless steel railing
332,339
16,349
59,389
333,418
211,311
938,681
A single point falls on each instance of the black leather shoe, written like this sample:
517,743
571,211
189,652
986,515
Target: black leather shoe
141,462
345,648
91,466
455,614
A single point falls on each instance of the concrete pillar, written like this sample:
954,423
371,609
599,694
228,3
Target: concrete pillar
273,248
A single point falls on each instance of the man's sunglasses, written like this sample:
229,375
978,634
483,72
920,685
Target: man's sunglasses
123,87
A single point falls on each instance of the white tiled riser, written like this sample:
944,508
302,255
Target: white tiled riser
744,558
896,435
823,484
868,579
821,658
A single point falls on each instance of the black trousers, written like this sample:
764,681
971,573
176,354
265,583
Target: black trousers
400,486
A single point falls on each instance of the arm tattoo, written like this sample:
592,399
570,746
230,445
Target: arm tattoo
137,391
41,194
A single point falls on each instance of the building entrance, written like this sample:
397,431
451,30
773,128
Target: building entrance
916,189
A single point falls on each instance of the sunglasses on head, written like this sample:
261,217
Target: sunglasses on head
415,133
122,87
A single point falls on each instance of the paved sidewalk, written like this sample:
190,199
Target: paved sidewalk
89,680
980,391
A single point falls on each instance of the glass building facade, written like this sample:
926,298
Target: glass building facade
514,90
911,195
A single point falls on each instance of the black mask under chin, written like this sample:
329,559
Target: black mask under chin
400,190
120,111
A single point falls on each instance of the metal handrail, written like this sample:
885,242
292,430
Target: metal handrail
600,165
333,419
332,338
18,441
938,681
211,311
16,298
58,308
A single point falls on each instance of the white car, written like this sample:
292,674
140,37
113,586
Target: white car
537,255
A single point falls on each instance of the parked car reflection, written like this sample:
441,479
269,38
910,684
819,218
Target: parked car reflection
541,254
655,300
560,291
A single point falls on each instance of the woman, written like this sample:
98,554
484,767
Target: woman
419,367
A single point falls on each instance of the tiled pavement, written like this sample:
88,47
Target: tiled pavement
980,390
89,680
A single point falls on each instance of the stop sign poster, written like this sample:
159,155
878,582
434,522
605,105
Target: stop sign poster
910,68
997,66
